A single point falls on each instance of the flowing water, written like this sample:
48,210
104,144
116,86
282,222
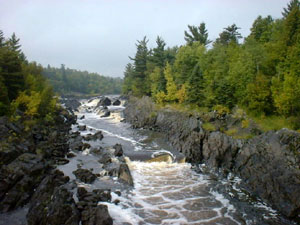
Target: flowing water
167,190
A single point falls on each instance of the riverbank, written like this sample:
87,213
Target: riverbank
267,163
45,173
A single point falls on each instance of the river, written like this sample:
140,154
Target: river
166,189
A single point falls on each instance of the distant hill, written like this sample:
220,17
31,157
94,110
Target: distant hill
67,81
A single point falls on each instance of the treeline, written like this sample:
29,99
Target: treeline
260,75
24,91
68,81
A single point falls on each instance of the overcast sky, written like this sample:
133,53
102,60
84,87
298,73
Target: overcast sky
99,35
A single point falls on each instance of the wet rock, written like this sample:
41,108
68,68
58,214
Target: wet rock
82,127
18,180
104,102
97,151
105,158
125,175
82,117
62,161
268,164
73,104
52,203
86,146
76,143
85,175
105,113
92,137
113,168
70,155
118,150
117,102
96,216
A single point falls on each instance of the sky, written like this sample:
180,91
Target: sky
99,35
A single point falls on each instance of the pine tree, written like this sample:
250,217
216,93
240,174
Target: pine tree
195,90
229,35
14,44
291,5
2,39
199,34
141,85
158,53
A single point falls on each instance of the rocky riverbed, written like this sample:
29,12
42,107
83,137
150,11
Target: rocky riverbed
268,164
45,177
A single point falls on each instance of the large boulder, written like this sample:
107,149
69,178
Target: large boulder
52,203
125,175
85,175
93,137
269,164
96,216
117,102
19,179
91,212
118,150
104,102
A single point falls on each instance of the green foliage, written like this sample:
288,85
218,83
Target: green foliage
68,81
23,88
260,75
208,126
197,34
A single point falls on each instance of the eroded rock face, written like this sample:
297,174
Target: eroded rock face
18,180
91,212
52,203
268,163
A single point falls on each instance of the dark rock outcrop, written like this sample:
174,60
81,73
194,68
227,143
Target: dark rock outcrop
118,150
18,180
117,102
92,137
91,212
52,203
85,175
104,102
268,163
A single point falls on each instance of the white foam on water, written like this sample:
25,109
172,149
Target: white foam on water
169,193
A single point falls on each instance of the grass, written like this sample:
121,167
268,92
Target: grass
273,123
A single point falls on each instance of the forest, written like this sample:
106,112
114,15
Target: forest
24,91
26,88
70,81
259,74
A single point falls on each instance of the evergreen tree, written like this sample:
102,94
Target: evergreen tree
261,29
291,5
229,35
199,34
158,53
13,44
195,90
141,85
